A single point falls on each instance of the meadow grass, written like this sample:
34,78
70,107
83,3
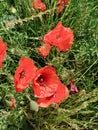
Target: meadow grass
21,31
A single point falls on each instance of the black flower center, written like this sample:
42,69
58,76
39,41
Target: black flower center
22,74
40,79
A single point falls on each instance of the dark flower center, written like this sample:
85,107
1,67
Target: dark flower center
22,74
40,79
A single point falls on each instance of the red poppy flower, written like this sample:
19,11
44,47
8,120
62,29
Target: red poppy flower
3,48
38,4
24,74
13,102
45,82
44,50
60,95
73,88
60,37
61,4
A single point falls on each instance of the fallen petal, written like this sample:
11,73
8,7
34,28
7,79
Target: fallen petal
44,50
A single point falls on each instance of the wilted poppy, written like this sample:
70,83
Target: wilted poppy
44,50
38,4
60,37
3,47
24,74
73,88
61,94
45,82
61,4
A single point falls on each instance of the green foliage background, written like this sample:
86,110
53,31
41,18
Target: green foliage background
80,63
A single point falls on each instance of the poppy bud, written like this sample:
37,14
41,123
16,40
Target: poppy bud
13,10
33,106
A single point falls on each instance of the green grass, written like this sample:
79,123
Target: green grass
80,63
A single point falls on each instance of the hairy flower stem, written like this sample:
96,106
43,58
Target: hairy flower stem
20,21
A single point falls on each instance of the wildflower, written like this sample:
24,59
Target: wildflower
3,48
61,94
44,50
45,82
60,37
73,87
48,88
24,74
38,4
61,4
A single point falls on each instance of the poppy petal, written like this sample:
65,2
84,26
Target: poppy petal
44,50
24,74
45,82
3,48
61,94
60,37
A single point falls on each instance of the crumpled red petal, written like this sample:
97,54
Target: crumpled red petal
3,47
45,82
44,50
60,37
24,74
61,94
